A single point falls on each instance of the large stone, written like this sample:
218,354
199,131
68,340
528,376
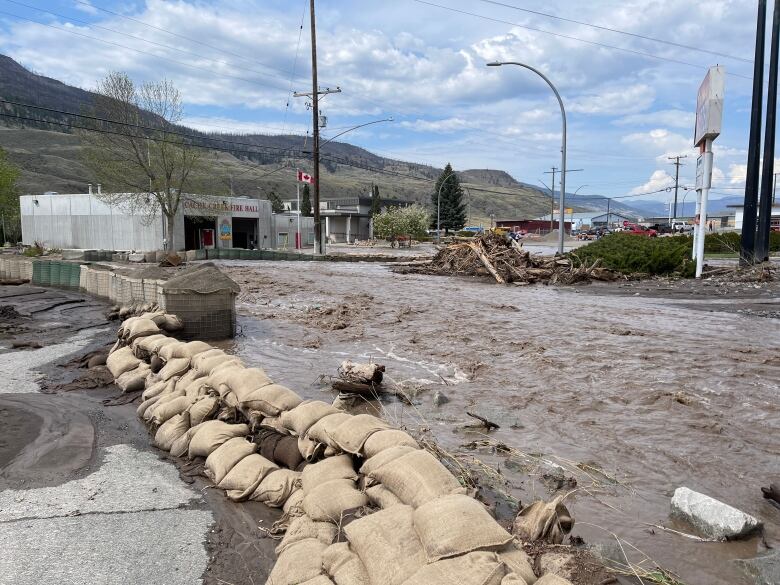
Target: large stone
712,518
765,569
136,257
561,564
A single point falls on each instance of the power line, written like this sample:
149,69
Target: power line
295,63
618,31
572,38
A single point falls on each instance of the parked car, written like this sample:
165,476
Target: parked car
639,230
681,227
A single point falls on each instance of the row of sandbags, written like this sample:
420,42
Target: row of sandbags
363,503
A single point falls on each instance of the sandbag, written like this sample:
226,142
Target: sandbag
211,435
174,367
203,409
417,478
247,474
545,521
168,351
171,430
244,381
319,580
298,563
350,435
140,328
513,579
551,579
170,409
171,323
269,422
302,417
133,380
271,400
476,568
208,360
183,350
276,487
188,378
320,431
147,342
303,527
385,439
387,545
226,456
294,504
156,363
381,497
516,559
120,361
384,457
146,405
154,390
182,444
154,344
344,566
454,525
327,502
316,474
164,398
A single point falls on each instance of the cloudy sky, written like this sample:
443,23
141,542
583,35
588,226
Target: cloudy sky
630,92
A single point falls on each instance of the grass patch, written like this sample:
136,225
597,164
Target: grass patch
629,254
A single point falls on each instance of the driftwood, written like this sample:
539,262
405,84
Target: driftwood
489,425
477,247
351,387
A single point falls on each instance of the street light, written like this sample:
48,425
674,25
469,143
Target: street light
438,208
390,119
563,141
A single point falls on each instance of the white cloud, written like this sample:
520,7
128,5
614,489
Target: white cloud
615,101
668,118
85,6
658,180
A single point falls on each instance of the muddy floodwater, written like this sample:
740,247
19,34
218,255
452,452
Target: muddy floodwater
621,397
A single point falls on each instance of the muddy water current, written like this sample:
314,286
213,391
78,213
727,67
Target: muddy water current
629,396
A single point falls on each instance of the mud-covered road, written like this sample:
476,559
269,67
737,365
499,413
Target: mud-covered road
627,392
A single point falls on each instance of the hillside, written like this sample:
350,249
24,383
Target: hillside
49,155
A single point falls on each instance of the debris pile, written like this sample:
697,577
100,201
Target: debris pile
505,260
363,503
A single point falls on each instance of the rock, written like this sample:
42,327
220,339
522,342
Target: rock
136,257
556,563
764,569
712,518
440,398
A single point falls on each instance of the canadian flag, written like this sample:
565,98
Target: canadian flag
305,177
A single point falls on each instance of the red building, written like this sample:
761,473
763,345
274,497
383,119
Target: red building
532,226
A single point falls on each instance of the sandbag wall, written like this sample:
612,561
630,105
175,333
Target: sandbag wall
15,267
362,503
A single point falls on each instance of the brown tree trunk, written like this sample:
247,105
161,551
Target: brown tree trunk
171,222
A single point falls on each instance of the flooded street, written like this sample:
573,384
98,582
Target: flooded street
630,396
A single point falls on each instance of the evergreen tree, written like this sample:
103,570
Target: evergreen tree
453,209
306,209
276,202
9,201
376,201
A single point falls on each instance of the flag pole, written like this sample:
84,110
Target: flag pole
298,198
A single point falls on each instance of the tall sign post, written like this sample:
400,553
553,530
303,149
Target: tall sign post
709,115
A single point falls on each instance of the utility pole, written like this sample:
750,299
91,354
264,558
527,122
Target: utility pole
563,195
677,165
748,239
765,211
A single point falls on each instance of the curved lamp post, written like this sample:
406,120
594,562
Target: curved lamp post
561,223
438,208
390,119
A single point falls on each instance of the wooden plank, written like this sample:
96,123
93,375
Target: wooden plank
486,261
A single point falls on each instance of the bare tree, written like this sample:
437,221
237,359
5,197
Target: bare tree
137,154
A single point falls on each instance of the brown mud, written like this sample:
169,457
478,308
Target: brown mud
621,393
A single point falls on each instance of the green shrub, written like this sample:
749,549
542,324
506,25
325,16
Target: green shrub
629,253
729,243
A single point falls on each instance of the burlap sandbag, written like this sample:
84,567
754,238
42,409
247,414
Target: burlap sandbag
208,360
197,388
148,343
213,434
454,525
168,350
328,502
203,409
187,378
276,487
476,568
148,416
319,580
545,521
247,474
226,456
171,323
382,440
387,545
316,474
298,563
154,390
133,380
245,381
303,527
271,400
120,361
170,409
184,350
171,430
146,405
551,579
294,504
174,367
320,431
154,345
182,444
514,557
381,497
343,566
384,457
350,435
140,328
417,478
269,422
302,417
513,579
